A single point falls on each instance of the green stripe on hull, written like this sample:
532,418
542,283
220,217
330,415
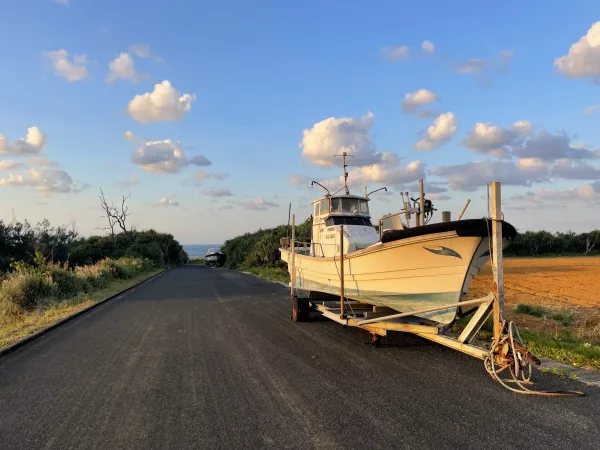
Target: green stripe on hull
399,302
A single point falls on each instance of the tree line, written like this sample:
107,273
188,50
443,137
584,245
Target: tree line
23,242
261,248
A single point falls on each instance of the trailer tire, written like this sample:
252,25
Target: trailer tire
300,309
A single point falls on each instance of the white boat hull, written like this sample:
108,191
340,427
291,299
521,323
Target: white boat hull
406,275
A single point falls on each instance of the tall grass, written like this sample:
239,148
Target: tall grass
32,286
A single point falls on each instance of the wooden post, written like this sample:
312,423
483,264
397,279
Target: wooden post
497,257
292,249
341,271
422,203
445,216
487,212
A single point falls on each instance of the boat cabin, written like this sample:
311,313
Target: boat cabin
330,214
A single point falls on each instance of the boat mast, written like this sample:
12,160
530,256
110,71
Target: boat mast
343,155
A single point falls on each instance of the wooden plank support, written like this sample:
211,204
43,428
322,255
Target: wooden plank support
454,344
428,310
478,319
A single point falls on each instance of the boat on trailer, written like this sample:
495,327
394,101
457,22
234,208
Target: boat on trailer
397,266
409,279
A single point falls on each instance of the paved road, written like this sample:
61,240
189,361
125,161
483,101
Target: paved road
208,359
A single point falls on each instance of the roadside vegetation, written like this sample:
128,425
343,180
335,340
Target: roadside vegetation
555,320
47,272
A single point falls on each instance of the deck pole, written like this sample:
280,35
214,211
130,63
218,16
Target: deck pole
342,271
422,203
292,249
464,208
497,263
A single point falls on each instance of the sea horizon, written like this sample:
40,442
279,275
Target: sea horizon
199,250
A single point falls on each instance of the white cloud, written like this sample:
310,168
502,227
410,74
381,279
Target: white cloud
494,140
219,192
132,181
167,201
129,135
413,100
200,160
299,180
588,193
7,164
482,68
33,144
164,157
583,59
257,204
396,53
590,109
428,47
123,68
144,51
549,147
41,162
333,136
75,70
574,170
202,176
473,175
389,174
438,133
44,180
165,103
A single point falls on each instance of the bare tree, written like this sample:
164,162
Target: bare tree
116,217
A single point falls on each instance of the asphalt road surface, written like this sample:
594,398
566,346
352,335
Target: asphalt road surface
210,359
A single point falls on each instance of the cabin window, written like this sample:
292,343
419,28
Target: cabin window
345,220
324,205
350,205
316,209
364,206
336,205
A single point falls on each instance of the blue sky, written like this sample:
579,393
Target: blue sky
260,73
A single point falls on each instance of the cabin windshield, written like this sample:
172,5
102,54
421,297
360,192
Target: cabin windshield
348,220
349,205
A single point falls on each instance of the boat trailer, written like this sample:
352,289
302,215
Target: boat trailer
506,353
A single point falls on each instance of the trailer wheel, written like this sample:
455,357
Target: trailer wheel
300,309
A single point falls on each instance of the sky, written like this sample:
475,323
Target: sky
215,116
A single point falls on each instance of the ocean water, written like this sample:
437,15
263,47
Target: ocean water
199,250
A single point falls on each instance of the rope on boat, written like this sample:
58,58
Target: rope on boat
510,353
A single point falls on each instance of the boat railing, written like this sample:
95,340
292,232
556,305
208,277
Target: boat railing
405,212
305,248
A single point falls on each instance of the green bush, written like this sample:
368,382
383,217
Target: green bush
565,318
30,285
23,290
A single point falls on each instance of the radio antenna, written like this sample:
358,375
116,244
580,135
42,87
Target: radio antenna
344,155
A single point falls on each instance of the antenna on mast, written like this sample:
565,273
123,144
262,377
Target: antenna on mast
343,155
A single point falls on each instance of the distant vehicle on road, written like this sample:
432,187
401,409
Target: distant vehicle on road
214,257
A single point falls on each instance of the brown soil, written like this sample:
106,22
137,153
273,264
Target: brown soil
565,283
